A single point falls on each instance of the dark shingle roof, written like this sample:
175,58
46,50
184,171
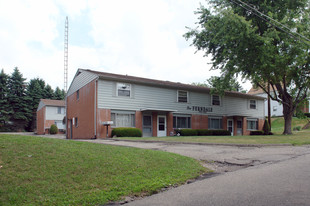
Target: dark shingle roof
52,102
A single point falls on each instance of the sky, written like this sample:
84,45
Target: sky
137,37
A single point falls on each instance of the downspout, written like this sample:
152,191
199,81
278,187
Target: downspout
95,107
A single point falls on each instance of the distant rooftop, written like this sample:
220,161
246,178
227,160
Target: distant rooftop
52,102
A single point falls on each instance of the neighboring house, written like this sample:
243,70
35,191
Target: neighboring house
50,112
276,109
156,107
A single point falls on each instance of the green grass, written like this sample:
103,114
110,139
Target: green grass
277,124
298,137
42,171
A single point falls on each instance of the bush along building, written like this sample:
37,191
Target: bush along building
50,112
98,102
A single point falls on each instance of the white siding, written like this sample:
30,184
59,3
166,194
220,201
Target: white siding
80,80
165,98
273,105
52,113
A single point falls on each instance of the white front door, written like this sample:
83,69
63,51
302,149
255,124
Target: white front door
230,126
161,126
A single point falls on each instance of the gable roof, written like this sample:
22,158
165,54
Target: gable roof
52,102
160,83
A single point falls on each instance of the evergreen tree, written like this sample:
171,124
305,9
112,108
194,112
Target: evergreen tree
48,92
35,92
4,104
59,94
18,100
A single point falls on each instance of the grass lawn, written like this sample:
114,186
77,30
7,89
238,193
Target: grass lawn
298,138
42,171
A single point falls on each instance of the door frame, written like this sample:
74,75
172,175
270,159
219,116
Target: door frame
232,125
159,133
151,134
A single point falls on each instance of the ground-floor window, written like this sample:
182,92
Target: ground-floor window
181,121
59,124
123,118
215,123
252,124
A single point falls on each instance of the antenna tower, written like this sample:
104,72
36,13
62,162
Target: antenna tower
66,56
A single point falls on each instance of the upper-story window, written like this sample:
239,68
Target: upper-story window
123,89
58,110
216,100
252,104
182,96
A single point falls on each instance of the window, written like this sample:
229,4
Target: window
123,119
182,96
275,108
252,124
123,89
252,104
77,94
76,122
181,122
58,110
215,123
216,100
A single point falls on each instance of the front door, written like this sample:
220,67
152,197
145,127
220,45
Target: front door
239,127
147,126
161,126
230,126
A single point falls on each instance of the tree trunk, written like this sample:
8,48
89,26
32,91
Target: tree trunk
288,112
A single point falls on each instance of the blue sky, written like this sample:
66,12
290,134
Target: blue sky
137,37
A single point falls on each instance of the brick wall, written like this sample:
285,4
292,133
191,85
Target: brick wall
199,121
83,109
103,115
40,121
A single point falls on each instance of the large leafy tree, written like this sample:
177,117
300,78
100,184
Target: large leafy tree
263,41
4,104
18,100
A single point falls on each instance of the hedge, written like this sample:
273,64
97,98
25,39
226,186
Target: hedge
126,132
257,132
202,132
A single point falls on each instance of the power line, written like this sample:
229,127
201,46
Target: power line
265,17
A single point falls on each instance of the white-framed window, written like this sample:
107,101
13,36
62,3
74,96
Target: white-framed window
216,100
123,118
182,121
123,89
252,104
252,124
58,110
215,123
182,96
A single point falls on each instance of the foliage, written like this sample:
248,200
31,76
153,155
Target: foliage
257,132
188,132
203,132
43,171
4,103
126,132
241,43
53,129
266,128
298,128
307,114
219,85
18,100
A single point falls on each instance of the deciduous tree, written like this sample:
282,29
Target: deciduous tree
268,50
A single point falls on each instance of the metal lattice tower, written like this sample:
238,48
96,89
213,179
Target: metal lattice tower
66,56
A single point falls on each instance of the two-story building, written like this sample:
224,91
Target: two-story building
50,112
156,107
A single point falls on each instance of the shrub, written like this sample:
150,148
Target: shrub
188,132
266,128
126,132
221,132
298,128
204,132
53,129
307,114
257,132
